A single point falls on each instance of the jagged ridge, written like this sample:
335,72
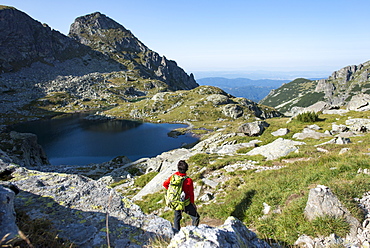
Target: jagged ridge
336,91
107,36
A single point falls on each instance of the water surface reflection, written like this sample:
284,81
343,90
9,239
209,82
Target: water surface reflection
76,141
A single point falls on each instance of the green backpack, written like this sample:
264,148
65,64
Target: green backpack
174,192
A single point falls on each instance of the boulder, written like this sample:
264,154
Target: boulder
232,149
279,148
7,215
358,124
343,151
253,128
210,182
339,128
314,127
330,241
359,102
310,133
233,110
337,140
218,99
206,197
317,107
335,111
233,233
281,132
322,202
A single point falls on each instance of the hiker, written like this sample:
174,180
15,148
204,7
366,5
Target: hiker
187,188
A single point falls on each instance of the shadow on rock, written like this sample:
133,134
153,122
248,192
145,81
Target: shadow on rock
78,207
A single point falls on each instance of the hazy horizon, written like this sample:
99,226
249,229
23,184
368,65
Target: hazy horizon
263,74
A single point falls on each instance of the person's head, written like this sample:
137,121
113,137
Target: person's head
182,166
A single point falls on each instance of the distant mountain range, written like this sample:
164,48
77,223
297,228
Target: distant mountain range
254,90
265,74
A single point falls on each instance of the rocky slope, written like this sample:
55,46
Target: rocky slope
86,205
103,64
336,91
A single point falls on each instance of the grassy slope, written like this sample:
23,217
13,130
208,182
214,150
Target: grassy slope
285,190
244,193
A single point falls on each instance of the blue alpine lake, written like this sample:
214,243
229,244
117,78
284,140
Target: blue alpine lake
74,140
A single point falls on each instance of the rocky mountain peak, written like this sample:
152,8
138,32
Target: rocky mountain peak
104,34
98,21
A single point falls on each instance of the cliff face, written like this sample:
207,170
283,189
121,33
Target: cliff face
24,41
103,34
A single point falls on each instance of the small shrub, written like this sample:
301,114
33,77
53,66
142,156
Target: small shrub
308,117
134,171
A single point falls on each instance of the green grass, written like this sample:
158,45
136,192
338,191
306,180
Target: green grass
243,193
287,189
141,181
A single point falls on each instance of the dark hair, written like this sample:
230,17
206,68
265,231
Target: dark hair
182,166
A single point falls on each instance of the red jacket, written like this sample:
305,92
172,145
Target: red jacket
187,186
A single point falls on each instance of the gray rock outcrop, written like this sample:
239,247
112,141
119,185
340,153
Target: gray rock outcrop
233,110
8,227
358,124
78,208
281,132
278,148
253,128
322,202
218,99
232,149
166,165
316,107
309,133
360,102
23,149
233,233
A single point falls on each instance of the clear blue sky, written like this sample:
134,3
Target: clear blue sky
201,35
